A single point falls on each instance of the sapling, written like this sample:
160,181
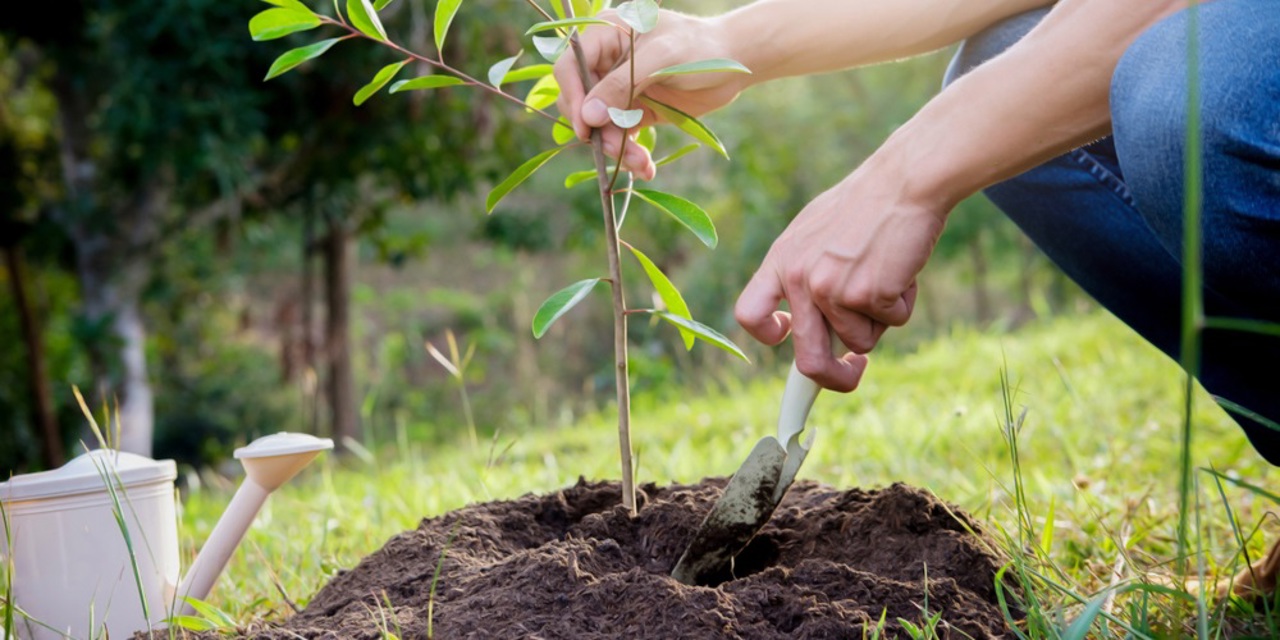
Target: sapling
555,34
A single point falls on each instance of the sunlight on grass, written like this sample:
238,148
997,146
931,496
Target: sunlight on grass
1099,451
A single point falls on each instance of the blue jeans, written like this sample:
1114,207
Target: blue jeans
1110,214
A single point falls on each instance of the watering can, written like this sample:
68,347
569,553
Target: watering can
73,573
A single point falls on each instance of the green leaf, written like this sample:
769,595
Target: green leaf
559,303
625,118
582,8
704,333
713,65
578,177
295,57
445,11
426,82
365,18
531,72
641,15
210,612
379,5
687,213
543,94
648,138
667,292
687,124
549,47
278,23
288,4
192,623
379,81
677,154
518,176
498,72
562,131
567,23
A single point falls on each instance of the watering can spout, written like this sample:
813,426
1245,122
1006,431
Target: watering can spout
269,462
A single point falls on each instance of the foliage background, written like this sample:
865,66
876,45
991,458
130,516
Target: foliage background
178,98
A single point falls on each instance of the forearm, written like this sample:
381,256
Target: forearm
777,38
1044,96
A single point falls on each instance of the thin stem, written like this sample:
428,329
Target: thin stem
440,64
615,274
539,9
622,148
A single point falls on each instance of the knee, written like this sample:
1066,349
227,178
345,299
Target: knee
1237,54
990,42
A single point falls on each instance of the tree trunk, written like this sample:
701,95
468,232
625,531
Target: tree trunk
112,266
118,301
42,415
339,259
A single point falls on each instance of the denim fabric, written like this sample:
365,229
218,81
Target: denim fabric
1110,213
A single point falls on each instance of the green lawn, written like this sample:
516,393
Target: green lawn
1099,450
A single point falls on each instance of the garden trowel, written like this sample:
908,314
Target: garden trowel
754,491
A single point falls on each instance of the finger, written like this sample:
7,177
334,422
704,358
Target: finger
601,47
811,338
857,331
615,89
757,308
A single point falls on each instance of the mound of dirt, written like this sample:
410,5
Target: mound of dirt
573,564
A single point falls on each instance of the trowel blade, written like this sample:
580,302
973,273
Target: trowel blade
744,507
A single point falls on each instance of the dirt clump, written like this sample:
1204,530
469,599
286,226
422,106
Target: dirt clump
573,564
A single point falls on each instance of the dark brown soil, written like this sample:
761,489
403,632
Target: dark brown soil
572,564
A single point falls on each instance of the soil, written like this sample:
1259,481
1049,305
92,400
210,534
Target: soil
573,564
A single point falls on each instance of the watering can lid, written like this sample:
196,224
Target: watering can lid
84,474
283,444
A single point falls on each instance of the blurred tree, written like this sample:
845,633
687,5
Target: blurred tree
165,128
25,154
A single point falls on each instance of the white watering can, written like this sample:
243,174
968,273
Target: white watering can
72,572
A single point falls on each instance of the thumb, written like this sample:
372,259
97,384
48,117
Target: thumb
615,90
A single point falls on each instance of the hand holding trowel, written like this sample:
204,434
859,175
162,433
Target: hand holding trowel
754,491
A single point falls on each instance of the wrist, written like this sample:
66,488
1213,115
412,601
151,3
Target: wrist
745,35
917,172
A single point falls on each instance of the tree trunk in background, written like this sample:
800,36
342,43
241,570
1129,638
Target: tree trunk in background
339,262
981,294
117,300
42,414
112,266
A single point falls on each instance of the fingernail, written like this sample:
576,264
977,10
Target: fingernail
595,113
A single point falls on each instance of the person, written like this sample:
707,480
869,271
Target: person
1071,116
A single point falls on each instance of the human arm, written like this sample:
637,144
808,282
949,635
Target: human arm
773,38
849,260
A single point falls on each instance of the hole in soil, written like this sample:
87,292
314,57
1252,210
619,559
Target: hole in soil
760,554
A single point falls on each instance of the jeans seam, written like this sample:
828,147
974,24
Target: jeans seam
1104,176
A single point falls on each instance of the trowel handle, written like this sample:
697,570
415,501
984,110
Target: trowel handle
797,399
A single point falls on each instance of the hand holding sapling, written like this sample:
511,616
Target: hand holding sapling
628,129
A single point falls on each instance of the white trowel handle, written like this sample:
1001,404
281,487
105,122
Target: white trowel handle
797,399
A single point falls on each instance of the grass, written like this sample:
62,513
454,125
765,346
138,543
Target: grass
1094,415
